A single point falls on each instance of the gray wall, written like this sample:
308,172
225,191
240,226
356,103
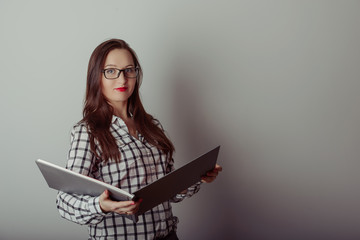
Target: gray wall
274,82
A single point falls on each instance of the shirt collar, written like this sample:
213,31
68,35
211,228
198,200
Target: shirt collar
117,120
121,124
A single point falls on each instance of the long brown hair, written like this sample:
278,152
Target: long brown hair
97,113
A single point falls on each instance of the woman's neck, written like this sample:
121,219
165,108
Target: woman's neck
120,110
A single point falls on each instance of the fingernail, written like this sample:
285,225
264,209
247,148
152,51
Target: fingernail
132,203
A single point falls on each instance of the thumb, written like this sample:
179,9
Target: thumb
103,197
105,194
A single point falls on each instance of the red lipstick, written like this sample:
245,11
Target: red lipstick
121,89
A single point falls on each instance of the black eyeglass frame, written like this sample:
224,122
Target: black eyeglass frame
122,70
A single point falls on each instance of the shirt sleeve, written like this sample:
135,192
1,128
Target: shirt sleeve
81,209
188,192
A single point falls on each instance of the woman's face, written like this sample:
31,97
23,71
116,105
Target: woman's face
117,91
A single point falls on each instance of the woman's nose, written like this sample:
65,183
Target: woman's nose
121,78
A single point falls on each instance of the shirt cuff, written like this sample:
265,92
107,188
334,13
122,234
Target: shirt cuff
190,191
94,206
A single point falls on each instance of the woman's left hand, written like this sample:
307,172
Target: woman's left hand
212,174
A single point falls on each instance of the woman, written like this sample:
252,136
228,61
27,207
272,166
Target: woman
117,142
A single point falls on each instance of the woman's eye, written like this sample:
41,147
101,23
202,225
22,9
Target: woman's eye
110,71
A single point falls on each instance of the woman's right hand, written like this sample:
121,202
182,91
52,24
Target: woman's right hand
121,207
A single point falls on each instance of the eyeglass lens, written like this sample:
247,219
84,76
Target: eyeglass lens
113,73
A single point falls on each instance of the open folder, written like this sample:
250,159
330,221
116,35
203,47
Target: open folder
153,194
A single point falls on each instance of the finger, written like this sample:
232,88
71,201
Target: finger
128,210
137,205
103,199
125,210
215,170
207,179
211,174
124,204
104,195
124,207
115,206
218,168
133,209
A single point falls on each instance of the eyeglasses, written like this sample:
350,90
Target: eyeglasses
114,73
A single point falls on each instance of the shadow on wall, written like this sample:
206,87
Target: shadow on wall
189,104
198,127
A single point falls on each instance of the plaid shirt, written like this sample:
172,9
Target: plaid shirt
140,164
